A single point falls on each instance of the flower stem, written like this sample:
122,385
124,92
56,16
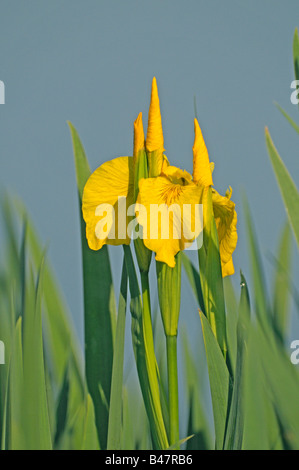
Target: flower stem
173,396
145,293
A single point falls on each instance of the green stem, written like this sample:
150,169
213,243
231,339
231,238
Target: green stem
146,294
173,395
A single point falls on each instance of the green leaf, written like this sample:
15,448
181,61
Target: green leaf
213,292
291,121
235,427
89,441
286,185
261,428
99,309
61,341
147,368
179,443
81,163
282,383
61,345
261,301
197,420
194,279
281,287
197,425
219,381
36,423
62,407
115,411
13,436
231,307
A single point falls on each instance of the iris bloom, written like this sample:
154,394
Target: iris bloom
166,185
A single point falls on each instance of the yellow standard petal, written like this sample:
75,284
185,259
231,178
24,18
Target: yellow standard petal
202,171
106,197
226,223
169,212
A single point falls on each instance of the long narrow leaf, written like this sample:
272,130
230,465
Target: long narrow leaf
261,299
235,428
194,279
145,360
289,119
281,288
36,423
115,412
99,309
214,293
286,185
219,381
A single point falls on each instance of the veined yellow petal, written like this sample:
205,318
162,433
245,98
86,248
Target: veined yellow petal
138,136
171,219
107,190
202,172
154,137
226,223
176,175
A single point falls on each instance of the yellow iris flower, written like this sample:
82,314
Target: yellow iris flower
113,182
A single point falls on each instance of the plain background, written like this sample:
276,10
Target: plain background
92,62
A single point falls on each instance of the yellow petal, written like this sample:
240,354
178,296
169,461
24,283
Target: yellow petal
112,184
228,268
161,201
226,223
202,172
176,175
165,163
138,136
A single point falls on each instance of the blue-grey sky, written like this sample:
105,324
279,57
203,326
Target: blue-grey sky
92,62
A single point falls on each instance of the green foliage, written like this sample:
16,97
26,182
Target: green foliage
115,411
147,368
287,186
99,309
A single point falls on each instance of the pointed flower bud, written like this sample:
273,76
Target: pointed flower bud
140,171
154,138
139,142
202,172
169,293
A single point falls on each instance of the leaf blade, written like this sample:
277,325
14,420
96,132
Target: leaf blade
99,308
288,189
